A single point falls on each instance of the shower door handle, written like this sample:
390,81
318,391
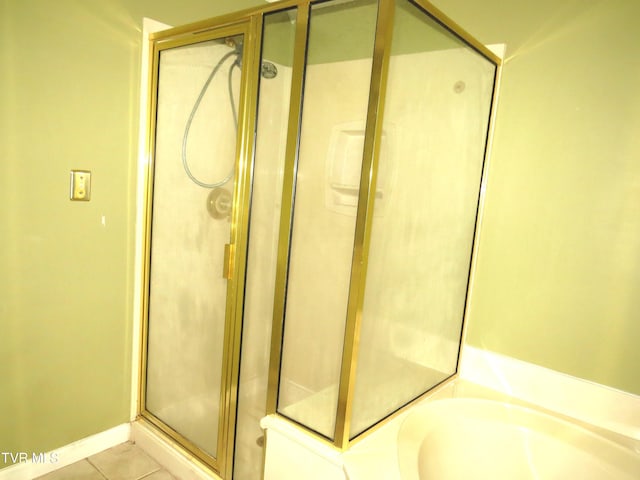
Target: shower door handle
229,255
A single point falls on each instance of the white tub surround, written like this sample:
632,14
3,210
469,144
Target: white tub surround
291,454
604,417
582,400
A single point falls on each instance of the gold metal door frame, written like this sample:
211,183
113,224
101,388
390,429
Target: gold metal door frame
250,28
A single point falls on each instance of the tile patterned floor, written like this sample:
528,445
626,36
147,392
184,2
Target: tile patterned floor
122,462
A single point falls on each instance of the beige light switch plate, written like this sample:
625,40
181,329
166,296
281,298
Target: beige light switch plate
80,185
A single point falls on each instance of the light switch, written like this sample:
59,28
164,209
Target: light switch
80,185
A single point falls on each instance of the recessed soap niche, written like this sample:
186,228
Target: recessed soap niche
344,165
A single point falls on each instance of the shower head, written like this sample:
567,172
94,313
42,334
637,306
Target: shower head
267,69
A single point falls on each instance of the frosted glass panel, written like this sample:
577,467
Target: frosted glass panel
437,110
335,100
273,109
187,292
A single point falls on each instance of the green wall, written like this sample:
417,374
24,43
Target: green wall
69,96
559,262
559,258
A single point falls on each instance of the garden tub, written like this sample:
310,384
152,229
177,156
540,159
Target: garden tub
468,438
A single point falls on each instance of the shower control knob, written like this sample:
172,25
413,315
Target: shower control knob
219,202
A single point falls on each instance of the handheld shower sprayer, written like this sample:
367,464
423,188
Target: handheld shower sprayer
268,70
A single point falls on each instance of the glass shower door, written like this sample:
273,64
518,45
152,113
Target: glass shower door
194,183
438,101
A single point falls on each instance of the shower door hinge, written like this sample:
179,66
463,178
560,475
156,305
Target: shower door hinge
229,255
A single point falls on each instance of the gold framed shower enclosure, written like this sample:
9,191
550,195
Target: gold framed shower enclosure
232,272
249,24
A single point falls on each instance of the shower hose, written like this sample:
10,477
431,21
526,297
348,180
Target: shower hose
187,127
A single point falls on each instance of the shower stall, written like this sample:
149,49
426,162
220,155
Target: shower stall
312,203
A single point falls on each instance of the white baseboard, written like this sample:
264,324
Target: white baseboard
63,456
179,463
583,400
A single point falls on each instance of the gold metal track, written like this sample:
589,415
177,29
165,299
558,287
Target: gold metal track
364,218
288,192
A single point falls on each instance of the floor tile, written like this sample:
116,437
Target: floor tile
124,462
81,470
159,475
